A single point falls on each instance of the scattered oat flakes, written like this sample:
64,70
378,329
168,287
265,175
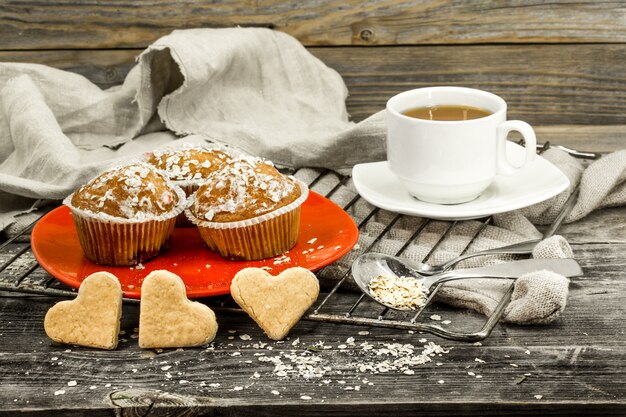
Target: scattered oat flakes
479,360
281,259
312,241
364,333
404,293
237,388
409,372
479,376
539,396
275,392
446,322
166,367
514,365
471,374
477,344
71,384
245,337
59,392
527,352
107,386
435,317
305,397
93,387
441,381
215,384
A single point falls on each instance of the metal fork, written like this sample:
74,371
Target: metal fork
521,248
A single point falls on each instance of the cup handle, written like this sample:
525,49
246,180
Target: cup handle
504,167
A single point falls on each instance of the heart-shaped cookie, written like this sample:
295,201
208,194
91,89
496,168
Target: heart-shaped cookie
168,319
276,303
93,318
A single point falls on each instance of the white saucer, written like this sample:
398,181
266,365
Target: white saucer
539,181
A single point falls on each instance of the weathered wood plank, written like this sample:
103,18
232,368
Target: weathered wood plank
543,84
577,365
40,24
593,138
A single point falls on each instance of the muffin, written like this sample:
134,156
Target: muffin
187,167
125,215
247,210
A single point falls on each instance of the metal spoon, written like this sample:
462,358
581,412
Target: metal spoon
371,265
521,248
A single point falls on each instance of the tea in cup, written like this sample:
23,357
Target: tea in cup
447,144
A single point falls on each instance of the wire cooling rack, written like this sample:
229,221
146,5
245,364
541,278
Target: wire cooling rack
20,272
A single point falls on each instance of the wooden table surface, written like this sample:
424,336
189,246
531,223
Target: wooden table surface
574,366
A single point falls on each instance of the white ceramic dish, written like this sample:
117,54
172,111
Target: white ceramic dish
537,182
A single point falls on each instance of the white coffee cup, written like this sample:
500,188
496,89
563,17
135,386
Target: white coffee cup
450,162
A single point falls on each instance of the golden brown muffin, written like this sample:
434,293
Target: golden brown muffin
125,215
131,192
188,166
188,163
248,210
243,189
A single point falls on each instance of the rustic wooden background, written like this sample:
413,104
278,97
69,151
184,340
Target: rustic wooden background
561,66
556,63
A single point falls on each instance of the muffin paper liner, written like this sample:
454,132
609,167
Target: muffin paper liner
189,187
260,237
110,240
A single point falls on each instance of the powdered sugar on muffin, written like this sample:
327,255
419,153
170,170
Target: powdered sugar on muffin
242,189
135,192
188,162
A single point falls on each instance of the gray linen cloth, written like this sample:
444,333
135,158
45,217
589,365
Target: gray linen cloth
257,90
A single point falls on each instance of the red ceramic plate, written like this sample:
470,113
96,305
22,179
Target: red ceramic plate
330,230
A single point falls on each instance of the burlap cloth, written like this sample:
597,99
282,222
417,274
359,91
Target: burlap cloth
262,92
